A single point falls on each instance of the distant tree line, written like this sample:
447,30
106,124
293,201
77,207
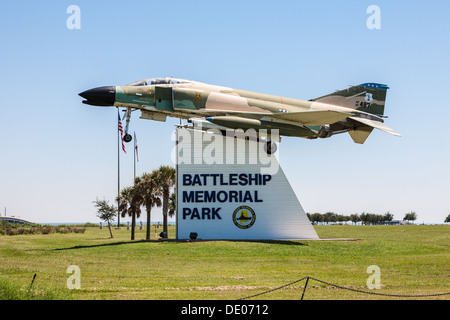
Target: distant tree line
364,218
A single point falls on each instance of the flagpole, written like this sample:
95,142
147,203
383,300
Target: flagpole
118,172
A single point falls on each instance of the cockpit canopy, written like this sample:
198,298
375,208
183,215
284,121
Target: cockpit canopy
157,81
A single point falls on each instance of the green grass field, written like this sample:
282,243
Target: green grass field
413,260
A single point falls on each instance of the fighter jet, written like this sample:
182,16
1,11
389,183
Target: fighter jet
357,109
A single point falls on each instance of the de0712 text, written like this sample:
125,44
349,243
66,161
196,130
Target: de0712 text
247,309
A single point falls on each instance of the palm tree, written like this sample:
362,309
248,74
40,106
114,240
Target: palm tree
173,204
165,177
148,188
130,201
122,200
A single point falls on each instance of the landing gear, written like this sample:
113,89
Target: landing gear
270,147
127,137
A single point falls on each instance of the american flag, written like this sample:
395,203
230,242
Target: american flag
121,133
136,147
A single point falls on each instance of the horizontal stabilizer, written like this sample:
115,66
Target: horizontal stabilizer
375,124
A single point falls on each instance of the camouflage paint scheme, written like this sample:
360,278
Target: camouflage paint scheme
357,109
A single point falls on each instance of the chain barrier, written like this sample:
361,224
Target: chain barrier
344,288
275,289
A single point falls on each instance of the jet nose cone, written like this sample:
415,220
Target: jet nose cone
101,96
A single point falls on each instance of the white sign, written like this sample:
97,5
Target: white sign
241,200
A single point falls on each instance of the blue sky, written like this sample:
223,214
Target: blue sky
58,155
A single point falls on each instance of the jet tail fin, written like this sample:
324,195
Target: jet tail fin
367,97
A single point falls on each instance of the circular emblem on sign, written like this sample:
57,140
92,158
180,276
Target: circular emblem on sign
244,217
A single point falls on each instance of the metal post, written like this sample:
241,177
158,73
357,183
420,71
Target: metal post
32,281
304,289
134,156
176,182
118,173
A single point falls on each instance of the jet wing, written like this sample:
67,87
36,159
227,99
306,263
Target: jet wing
312,118
375,124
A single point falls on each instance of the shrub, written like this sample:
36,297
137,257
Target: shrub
13,230
47,230
61,230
